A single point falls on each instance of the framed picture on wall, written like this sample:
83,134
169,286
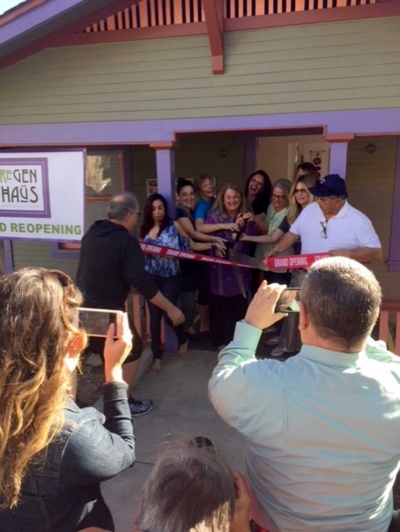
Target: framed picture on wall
151,187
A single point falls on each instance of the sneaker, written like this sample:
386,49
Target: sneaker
140,408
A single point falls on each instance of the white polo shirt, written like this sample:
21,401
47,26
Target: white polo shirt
349,229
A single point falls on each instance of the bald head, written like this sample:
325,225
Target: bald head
122,205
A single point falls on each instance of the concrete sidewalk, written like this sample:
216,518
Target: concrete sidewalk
182,409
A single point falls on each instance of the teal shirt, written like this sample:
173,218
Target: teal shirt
322,433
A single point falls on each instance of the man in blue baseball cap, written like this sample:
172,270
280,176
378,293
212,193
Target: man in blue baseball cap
331,225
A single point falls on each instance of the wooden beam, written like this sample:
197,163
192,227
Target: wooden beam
215,28
76,26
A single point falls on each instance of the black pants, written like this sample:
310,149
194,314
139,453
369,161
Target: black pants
169,287
224,313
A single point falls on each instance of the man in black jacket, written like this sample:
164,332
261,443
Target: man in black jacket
110,264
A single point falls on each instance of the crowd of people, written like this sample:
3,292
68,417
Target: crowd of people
254,220
320,431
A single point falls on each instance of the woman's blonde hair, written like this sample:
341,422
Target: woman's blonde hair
37,308
294,207
219,201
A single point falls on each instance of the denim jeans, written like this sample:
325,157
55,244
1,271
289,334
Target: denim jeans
169,287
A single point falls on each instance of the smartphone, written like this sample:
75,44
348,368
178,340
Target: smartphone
97,321
289,301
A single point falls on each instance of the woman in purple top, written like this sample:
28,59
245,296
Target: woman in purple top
227,303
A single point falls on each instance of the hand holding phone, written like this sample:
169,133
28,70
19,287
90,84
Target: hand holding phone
96,322
116,351
289,301
261,312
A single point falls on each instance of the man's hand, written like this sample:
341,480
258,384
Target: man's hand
241,517
176,316
261,312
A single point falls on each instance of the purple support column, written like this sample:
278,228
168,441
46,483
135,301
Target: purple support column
8,256
338,153
394,252
165,164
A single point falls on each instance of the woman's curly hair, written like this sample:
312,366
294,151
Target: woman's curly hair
37,308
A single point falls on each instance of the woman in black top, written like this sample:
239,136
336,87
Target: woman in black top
192,272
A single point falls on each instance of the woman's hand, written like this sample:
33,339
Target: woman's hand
245,238
231,226
219,240
116,351
241,517
220,247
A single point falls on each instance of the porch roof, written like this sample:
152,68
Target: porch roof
37,24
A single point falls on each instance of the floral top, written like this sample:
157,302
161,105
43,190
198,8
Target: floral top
165,267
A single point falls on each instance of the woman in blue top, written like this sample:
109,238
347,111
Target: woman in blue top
160,230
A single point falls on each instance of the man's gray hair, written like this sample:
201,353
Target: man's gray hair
189,489
120,206
342,298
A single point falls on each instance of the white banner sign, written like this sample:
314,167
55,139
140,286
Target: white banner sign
42,195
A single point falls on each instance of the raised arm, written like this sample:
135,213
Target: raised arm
197,235
212,228
284,243
264,239
232,381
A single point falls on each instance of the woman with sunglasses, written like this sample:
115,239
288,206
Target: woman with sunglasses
54,455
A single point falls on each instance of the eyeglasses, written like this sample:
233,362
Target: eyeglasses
324,229
300,190
275,196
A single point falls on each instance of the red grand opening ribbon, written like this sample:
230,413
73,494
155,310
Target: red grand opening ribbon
290,262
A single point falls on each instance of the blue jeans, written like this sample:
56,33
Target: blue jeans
169,287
